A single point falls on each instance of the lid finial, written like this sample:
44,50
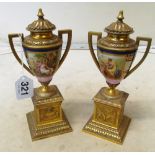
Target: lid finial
40,13
41,25
119,27
120,16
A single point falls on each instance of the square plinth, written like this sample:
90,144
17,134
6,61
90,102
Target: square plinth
107,110
48,109
108,120
48,118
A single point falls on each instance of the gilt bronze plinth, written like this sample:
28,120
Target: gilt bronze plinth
48,118
108,120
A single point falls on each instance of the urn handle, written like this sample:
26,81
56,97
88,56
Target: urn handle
69,39
138,39
90,42
16,35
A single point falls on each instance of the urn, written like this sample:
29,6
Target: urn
115,55
42,49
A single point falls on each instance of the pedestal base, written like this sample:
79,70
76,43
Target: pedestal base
108,120
44,131
102,131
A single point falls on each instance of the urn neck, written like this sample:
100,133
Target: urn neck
44,35
117,38
116,42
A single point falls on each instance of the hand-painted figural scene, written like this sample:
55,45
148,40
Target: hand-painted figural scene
114,68
43,64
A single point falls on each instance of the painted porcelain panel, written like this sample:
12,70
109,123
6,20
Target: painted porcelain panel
114,67
43,64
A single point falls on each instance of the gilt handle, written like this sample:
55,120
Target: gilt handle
90,42
69,39
138,39
16,35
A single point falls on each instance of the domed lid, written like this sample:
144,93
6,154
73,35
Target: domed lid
119,27
38,39
41,25
118,36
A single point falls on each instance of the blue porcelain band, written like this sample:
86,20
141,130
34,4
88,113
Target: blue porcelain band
41,49
116,52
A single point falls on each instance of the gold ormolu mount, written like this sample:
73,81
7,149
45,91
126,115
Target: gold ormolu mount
115,55
108,120
48,118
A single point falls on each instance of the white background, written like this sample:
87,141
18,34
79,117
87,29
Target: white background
78,78
80,17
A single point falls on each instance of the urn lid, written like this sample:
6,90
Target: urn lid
41,35
119,27
41,25
117,38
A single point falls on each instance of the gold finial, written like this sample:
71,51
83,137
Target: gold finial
120,16
40,13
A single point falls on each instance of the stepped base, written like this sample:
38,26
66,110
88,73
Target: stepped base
102,131
49,130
